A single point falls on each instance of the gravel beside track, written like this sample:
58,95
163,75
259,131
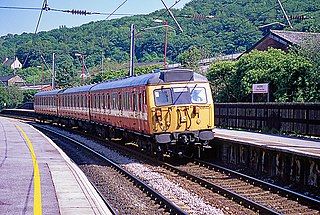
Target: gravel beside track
189,196
272,200
120,192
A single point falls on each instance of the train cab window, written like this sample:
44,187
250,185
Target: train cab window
198,95
181,95
162,97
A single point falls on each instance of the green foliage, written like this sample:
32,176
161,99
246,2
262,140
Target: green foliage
28,95
5,70
10,97
289,77
232,30
191,57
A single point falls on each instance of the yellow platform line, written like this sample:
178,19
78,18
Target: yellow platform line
37,202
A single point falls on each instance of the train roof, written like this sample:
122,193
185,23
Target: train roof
85,88
46,93
157,77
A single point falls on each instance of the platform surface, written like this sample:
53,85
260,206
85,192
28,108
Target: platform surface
36,177
301,146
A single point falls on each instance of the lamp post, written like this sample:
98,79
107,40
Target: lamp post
82,60
42,77
166,38
165,41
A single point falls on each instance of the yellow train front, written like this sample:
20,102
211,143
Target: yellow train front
180,111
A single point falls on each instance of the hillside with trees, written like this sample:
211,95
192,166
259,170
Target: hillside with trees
232,29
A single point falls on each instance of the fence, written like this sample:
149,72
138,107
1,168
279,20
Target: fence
298,118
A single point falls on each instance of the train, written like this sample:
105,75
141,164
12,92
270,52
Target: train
164,112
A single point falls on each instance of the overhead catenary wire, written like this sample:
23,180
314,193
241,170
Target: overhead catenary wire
44,6
71,11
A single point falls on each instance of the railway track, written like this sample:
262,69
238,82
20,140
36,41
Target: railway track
267,198
257,195
254,194
111,180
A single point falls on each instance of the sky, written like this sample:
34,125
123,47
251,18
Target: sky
13,21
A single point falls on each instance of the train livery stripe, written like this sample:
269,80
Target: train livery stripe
37,202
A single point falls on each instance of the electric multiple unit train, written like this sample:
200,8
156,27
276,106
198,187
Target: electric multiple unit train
167,111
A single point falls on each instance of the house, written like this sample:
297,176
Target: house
10,80
283,39
13,63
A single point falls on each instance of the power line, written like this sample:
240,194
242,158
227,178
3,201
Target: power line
72,11
44,6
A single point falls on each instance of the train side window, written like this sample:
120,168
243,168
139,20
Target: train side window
103,102
85,101
98,102
140,101
135,102
120,101
144,97
127,101
109,101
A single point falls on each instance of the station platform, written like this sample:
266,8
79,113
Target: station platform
300,146
37,177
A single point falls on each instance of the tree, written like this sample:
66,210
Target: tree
191,57
10,97
288,76
310,49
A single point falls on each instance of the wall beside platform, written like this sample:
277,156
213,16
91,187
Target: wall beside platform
267,163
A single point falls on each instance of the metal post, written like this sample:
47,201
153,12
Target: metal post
53,78
82,59
165,46
131,66
285,14
42,82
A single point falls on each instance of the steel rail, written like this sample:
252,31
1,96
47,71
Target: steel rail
157,197
285,192
220,190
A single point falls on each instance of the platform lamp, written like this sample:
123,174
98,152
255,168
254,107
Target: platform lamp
42,76
165,41
82,60
166,38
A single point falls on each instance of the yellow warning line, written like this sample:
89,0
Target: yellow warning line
37,203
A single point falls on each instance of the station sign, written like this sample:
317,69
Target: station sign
260,88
